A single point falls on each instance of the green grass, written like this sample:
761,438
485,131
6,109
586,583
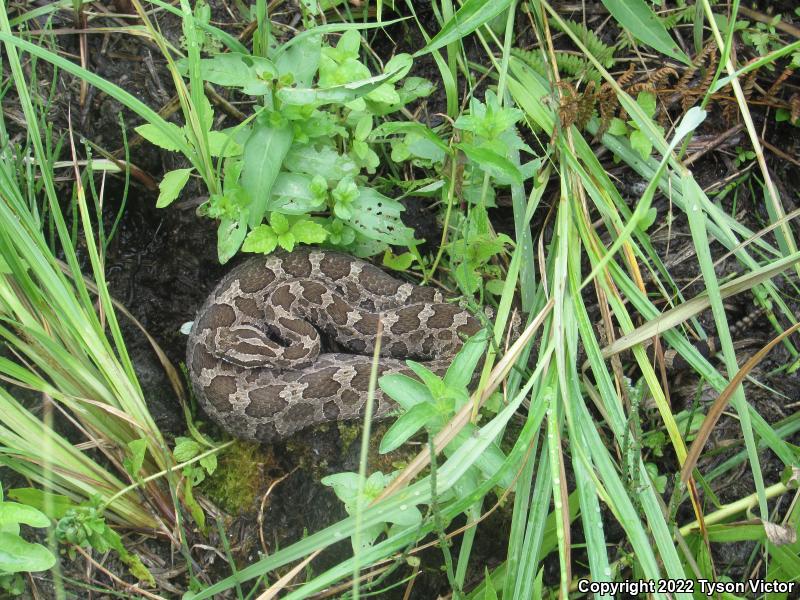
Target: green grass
578,451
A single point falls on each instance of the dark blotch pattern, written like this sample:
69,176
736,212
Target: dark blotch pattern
265,401
408,320
334,266
300,413
321,384
297,264
282,296
350,398
360,380
330,410
218,315
357,346
253,276
248,306
220,389
368,324
313,292
442,315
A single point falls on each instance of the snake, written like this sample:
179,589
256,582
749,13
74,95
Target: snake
285,341
255,350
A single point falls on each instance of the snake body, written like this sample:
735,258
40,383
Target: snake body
255,355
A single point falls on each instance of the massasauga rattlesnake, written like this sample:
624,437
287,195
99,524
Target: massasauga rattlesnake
254,354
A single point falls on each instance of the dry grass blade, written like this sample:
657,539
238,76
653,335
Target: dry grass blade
715,412
692,307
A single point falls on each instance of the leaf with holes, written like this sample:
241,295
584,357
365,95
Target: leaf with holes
378,218
230,235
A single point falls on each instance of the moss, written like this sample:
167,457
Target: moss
236,483
349,432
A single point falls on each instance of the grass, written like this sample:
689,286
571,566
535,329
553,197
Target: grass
572,423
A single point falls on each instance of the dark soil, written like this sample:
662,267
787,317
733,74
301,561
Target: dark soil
162,264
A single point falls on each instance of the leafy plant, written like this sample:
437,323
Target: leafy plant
303,160
429,403
86,527
17,555
640,141
357,494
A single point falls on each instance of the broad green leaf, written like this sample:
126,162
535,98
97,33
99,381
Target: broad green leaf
135,459
294,194
363,127
459,373
489,593
56,505
306,231
431,380
286,241
642,23
378,218
230,235
325,162
471,15
221,144
264,152
618,127
159,136
408,127
407,425
491,162
17,555
647,100
641,143
14,513
186,449
262,239
400,262
209,463
279,223
404,390
340,94
398,66
253,74
301,60
171,186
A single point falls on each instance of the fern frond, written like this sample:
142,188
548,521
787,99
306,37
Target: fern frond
599,49
568,64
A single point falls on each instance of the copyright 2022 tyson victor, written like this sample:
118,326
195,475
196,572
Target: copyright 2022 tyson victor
686,586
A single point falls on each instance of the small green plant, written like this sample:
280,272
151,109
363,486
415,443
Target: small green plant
17,555
639,140
85,527
358,494
432,401
743,155
302,162
195,473
488,150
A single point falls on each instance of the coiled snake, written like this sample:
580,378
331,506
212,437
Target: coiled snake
254,351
